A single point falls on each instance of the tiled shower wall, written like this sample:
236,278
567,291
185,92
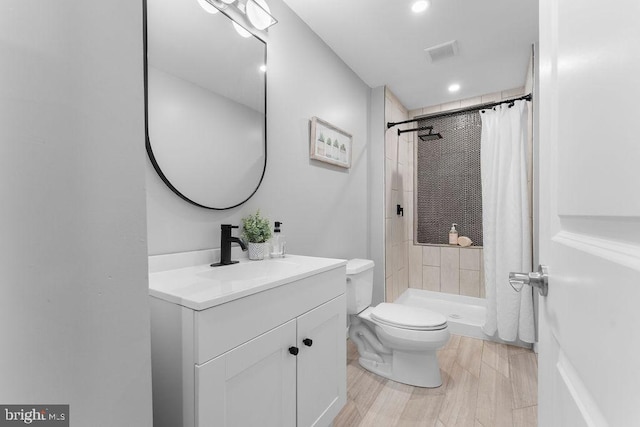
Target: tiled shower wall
398,188
442,268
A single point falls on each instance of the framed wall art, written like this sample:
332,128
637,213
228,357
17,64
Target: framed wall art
330,144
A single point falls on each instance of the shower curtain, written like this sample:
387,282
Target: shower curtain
505,221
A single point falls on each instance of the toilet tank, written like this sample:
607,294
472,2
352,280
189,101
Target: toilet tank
359,285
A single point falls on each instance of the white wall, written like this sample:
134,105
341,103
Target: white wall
323,207
74,319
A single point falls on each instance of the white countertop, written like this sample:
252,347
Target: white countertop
200,287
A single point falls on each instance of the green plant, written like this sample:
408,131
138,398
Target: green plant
255,228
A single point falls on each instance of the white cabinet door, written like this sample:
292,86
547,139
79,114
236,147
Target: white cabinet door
251,385
322,388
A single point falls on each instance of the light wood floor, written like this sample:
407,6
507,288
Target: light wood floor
485,384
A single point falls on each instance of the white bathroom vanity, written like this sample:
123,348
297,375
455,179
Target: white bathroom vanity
259,343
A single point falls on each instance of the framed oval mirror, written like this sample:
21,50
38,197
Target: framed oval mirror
205,100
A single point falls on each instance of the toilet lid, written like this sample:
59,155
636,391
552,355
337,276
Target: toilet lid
407,317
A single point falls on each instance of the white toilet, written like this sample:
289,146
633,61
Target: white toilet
395,341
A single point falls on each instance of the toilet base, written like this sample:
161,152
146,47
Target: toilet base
419,369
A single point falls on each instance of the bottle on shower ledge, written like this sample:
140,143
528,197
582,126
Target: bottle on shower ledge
453,235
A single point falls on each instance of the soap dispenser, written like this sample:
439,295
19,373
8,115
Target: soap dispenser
277,243
453,235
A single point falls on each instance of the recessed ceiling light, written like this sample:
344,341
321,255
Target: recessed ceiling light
454,87
420,6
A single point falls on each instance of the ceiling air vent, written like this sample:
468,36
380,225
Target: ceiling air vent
442,51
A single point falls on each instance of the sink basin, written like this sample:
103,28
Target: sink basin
200,286
250,271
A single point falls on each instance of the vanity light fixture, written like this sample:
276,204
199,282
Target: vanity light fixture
420,6
257,12
207,7
243,33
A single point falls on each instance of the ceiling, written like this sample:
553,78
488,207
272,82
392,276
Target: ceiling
383,41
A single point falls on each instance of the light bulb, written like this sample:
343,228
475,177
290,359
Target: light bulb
208,7
259,14
244,33
454,87
420,6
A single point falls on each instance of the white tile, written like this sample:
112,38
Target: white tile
400,172
403,248
450,270
407,178
398,230
394,174
390,292
492,97
408,217
396,260
399,112
470,102
403,280
402,150
391,144
415,266
389,266
388,182
431,278
513,93
470,259
431,255
432,109
450,106
470,283
392,203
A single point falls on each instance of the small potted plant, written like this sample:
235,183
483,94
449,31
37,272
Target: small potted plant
256,232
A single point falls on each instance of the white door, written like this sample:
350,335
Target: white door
322,363
251,385
589,361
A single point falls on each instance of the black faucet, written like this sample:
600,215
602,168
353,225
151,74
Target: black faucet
226,239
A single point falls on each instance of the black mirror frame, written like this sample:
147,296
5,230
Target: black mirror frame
152,158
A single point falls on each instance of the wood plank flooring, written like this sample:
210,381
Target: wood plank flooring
485,384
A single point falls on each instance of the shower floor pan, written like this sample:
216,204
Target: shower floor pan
465,315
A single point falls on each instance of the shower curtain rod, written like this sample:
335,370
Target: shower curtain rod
460,110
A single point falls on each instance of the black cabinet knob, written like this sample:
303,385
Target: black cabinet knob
294,350
308,342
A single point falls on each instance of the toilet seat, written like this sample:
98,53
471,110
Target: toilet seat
407,317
